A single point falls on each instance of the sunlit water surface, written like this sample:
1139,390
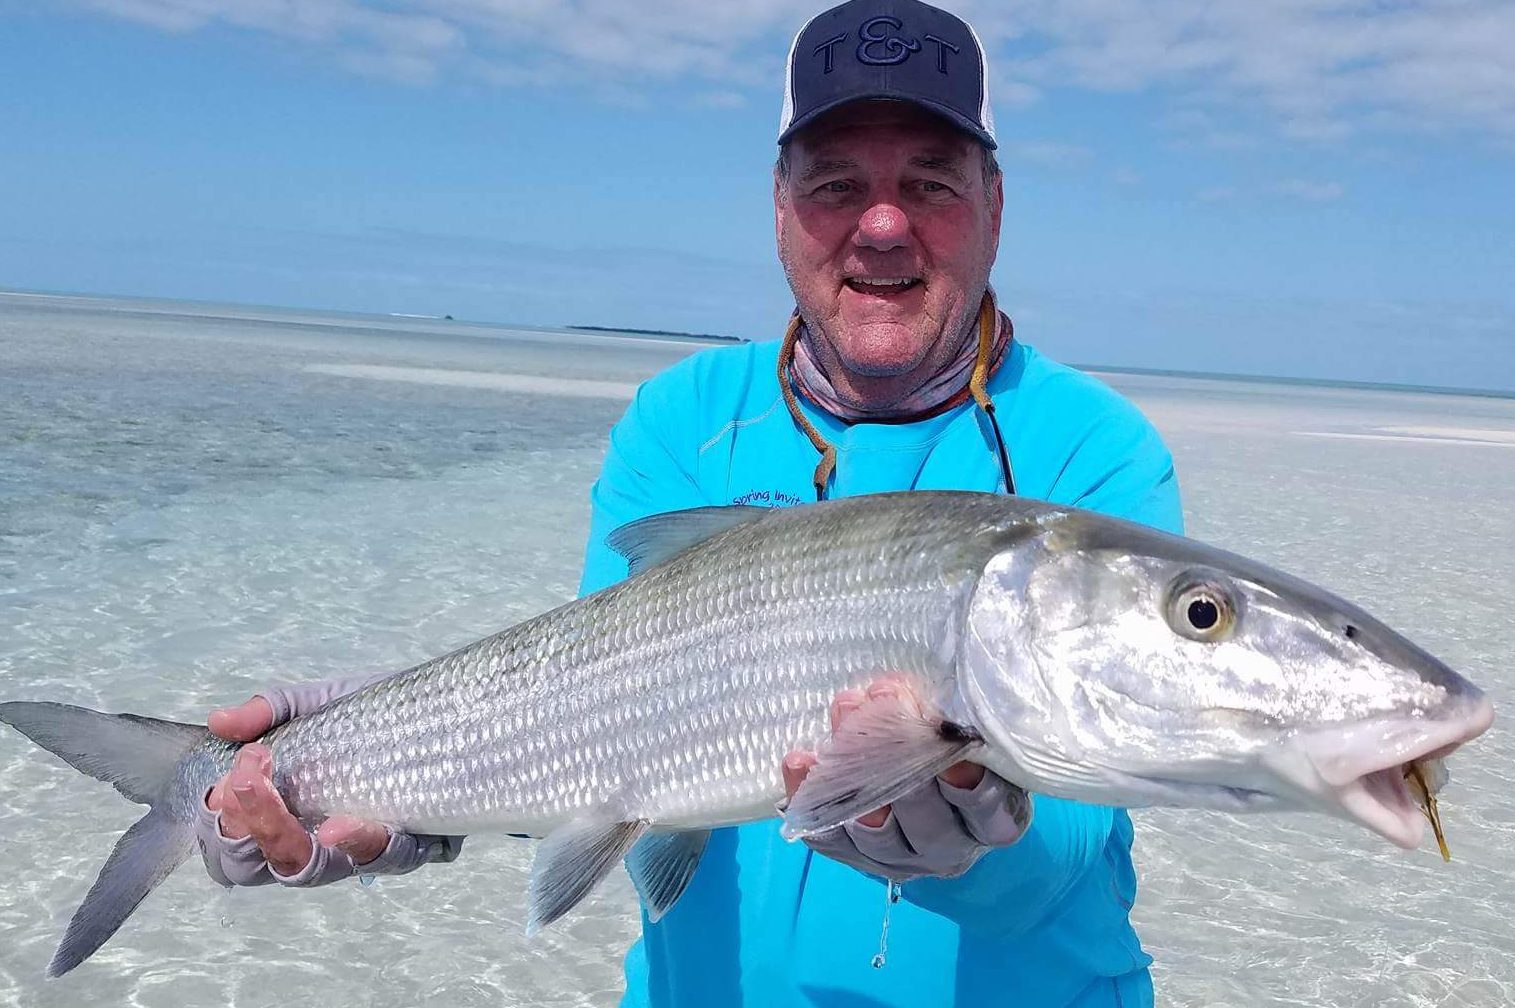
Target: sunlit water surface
194,503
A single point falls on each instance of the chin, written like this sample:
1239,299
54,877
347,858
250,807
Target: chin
883,351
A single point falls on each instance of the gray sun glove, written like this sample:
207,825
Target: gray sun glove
241,862
937,829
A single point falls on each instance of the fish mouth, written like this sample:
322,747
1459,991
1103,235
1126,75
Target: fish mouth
1359,772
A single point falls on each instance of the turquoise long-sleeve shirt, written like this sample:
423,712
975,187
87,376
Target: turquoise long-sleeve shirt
1040,924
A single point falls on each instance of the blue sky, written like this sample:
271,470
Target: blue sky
1319,188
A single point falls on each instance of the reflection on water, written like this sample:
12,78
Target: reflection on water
191,507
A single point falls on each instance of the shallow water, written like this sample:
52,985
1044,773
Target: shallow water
197,502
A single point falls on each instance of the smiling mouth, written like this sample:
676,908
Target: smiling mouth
881,286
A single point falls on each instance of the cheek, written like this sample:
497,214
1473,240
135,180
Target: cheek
816,231
959,242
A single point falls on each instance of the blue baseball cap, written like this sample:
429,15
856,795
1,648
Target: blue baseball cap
902,50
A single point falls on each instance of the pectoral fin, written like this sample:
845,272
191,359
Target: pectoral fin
570,862
661,865
883,750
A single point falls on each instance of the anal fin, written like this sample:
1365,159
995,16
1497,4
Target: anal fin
570,862
884,749
661,865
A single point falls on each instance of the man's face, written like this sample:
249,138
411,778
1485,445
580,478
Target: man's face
887,231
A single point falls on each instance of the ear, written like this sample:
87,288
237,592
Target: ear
778,214
997,206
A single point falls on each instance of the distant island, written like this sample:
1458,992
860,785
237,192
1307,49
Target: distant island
662,332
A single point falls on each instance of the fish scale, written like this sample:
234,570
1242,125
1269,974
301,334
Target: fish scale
1074,654
702,668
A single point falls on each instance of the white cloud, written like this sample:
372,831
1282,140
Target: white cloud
1314,64
1215,194
719,100
1045,153
1317,67
408,44
1312,192
1198,127
1294,188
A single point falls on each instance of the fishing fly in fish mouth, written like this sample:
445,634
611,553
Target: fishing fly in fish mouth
1073,654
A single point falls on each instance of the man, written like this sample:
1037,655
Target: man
897,371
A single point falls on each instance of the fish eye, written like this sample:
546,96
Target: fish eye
1201,607
1203,613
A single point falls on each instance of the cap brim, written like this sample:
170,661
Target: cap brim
952,115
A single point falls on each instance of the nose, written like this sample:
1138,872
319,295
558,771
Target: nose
882,227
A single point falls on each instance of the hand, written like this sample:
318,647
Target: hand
941,828
248,837
250,806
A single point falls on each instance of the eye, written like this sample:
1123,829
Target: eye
1202,607
1203,613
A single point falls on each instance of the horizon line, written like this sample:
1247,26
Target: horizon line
446,321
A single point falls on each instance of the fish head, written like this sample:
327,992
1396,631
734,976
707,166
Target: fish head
1110,663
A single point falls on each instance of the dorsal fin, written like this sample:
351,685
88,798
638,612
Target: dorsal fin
649,541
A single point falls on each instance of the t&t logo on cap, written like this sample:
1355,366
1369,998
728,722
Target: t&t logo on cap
876,30
903,50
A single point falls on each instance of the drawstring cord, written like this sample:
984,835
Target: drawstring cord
827,463
977,386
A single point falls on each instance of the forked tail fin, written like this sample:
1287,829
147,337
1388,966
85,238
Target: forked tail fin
140,756
145,855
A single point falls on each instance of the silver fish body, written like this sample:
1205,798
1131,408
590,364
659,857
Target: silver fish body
1075,654
671,697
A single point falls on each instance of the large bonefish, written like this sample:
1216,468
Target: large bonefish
1074,654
